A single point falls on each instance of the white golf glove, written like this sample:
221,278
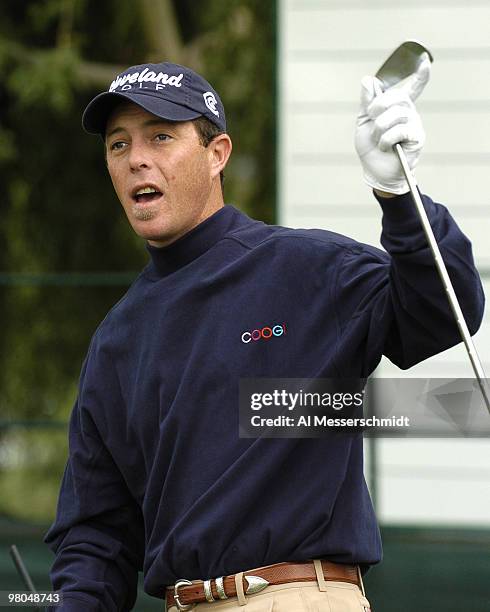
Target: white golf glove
385,119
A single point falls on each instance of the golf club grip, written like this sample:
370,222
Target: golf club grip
441,268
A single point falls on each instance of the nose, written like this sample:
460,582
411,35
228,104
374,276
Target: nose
139,157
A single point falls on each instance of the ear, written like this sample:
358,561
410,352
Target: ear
220,150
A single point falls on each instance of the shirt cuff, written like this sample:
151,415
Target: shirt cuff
400,212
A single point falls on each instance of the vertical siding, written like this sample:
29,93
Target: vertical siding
325,47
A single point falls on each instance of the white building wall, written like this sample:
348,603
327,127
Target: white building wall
325,47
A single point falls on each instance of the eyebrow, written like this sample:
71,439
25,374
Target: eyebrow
147,123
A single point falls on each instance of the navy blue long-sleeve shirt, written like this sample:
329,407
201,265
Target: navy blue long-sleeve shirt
157,478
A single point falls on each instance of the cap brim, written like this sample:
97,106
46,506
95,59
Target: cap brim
95,116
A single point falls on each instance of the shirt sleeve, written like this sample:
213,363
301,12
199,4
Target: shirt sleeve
394,303
98,535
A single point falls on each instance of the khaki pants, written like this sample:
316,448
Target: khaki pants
320,596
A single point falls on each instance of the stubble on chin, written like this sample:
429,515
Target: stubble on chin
144,213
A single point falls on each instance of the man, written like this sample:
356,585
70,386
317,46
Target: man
158,478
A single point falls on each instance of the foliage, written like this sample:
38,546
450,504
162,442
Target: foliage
58,210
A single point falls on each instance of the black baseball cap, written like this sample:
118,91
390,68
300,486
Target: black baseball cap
169,91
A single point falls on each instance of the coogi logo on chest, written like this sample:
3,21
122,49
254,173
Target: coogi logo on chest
266,333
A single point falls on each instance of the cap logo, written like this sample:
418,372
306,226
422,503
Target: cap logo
126,81
211,102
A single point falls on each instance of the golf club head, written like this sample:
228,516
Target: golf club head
403,62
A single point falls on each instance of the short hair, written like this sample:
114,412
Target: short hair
207,131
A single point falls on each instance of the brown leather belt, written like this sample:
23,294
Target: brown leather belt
279,573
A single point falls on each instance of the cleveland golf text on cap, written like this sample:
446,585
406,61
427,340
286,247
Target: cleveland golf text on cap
169,91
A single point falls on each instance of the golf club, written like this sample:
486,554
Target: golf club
403,62
24,574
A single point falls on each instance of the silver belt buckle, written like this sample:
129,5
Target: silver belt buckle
178,584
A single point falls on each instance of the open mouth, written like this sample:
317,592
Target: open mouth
146,195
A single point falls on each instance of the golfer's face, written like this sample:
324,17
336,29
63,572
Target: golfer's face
160,171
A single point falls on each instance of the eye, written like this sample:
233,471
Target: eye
162,137
117,146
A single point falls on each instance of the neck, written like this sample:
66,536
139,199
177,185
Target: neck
213,204
196,242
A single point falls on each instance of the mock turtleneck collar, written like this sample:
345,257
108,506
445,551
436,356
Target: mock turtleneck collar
165,260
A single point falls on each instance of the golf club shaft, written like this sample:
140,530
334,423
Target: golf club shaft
441,268
21,568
